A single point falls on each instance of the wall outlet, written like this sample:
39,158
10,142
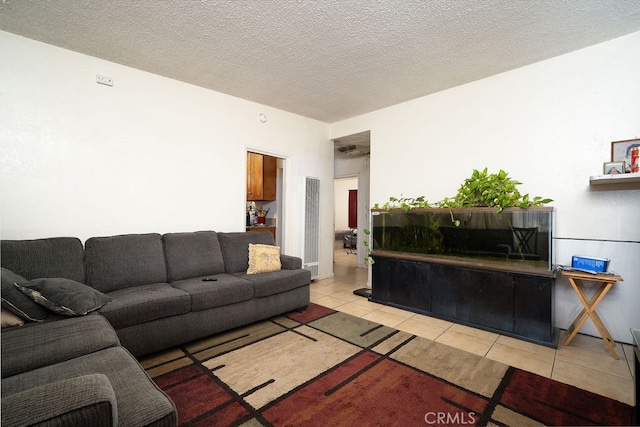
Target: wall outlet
104,80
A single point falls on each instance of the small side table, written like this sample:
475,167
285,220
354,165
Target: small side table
606,282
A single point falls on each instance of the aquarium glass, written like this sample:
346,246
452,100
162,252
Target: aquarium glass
515,238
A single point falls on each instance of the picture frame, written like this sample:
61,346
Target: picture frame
614,168
621,151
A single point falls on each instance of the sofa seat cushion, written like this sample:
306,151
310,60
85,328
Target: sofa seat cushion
144,303
276,282
30,347
190,255
140,402
225,290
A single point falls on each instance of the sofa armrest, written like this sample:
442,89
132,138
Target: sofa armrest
84,400
290,262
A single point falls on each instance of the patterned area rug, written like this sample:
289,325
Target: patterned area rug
325,368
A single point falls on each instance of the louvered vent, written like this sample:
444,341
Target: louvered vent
312,226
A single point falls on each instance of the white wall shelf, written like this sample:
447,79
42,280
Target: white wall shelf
626,178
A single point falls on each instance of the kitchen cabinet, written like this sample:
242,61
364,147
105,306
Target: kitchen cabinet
270,229
261,177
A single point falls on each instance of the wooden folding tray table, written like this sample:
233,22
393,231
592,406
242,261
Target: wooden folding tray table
606,282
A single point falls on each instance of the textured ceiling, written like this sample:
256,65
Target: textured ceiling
326,59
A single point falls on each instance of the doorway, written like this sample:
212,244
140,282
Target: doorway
345,221
351,172
265,194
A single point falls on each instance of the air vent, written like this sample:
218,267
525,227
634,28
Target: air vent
312,226
347,148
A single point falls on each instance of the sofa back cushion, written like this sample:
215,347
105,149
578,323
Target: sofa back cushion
191,255
52,257
119,262
235,248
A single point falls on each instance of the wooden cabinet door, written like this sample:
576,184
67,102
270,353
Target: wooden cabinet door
485,298
254,176
269,173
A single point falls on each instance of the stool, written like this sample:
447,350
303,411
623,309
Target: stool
606,281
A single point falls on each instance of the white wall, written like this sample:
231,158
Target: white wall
550,125
149,154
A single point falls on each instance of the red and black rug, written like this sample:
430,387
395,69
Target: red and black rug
325,368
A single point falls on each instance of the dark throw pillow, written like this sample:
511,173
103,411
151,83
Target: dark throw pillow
17,302
64,296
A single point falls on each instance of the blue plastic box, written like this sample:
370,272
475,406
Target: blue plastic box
596,265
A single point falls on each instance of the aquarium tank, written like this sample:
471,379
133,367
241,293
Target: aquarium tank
514,238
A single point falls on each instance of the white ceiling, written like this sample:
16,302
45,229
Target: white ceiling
325,59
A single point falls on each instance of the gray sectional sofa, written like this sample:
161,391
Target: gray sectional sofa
149,294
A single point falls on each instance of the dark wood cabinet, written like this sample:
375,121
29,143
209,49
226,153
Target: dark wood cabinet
261,177
506,302
485,298
415,289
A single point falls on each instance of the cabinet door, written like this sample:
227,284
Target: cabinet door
533,307
254,176
444,288
269,173
381,279
403,283
486,299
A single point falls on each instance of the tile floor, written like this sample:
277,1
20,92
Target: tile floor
585,363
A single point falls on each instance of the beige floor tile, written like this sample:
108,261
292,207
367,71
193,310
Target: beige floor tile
403,313
522,358
348,296
595,360
329,301
588,342
313,295
434,321
355,309
597,382
465,341
384,318
477,333
421,329
321,290
335,287
365,301
527,346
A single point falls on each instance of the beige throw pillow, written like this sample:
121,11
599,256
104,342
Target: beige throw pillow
10,319
263,258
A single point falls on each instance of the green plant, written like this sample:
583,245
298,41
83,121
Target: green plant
406,203
491,190
480,190
366,245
